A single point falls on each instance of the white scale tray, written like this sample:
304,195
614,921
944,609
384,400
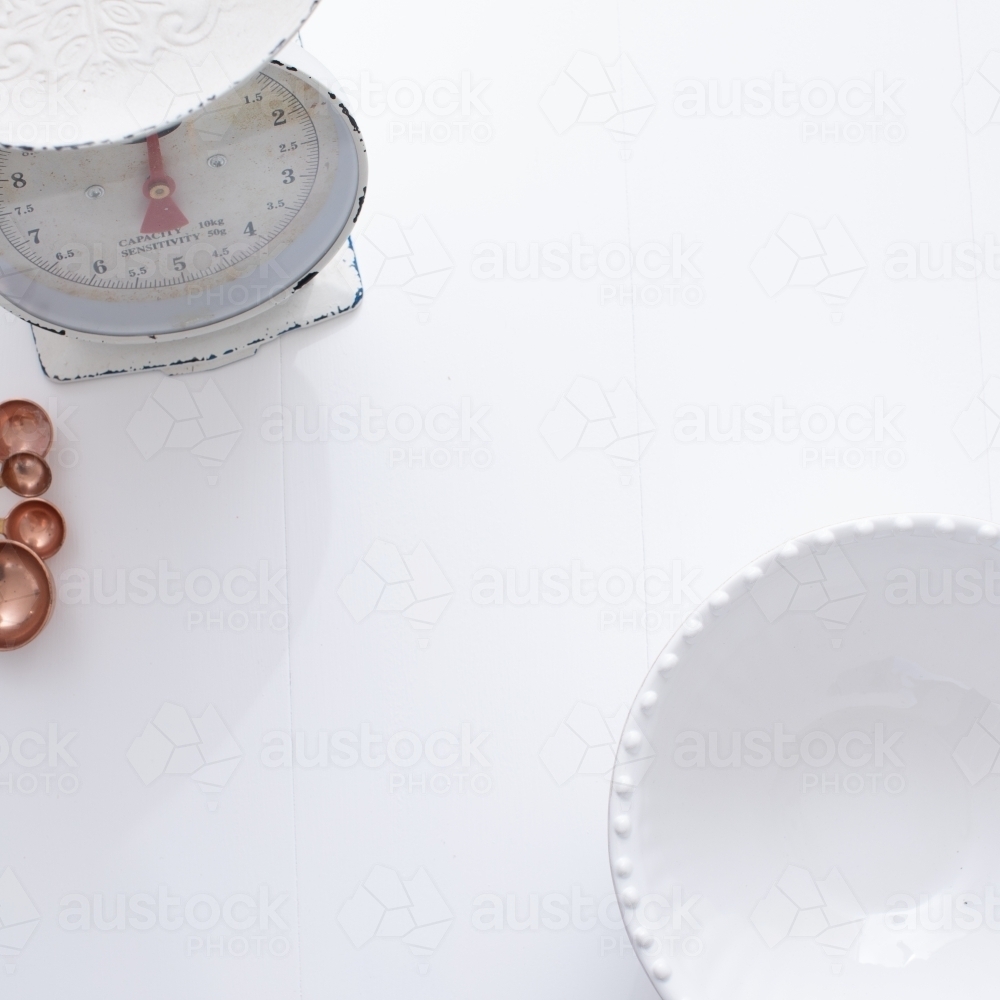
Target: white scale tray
337,289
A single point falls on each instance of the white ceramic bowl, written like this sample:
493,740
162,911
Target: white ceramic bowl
806,798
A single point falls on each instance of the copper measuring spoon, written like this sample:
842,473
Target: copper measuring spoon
27,595
26,435
37,524
26,474
33,530
24,427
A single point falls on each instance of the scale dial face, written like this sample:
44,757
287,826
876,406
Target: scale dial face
216,218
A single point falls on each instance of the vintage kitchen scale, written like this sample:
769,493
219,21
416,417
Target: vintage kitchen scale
189,242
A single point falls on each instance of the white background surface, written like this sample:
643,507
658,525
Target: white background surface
515,824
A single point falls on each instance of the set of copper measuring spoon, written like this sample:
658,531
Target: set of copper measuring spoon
33,531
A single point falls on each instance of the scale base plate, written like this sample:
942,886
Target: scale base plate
335,290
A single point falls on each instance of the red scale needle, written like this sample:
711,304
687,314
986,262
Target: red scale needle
162,213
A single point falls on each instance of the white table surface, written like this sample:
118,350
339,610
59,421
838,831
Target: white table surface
482,867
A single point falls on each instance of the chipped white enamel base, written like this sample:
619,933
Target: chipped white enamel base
336,290
874,874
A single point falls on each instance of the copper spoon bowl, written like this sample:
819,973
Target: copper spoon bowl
27,595
37,524
24,426
26,474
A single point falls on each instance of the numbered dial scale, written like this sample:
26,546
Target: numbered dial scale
189,231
